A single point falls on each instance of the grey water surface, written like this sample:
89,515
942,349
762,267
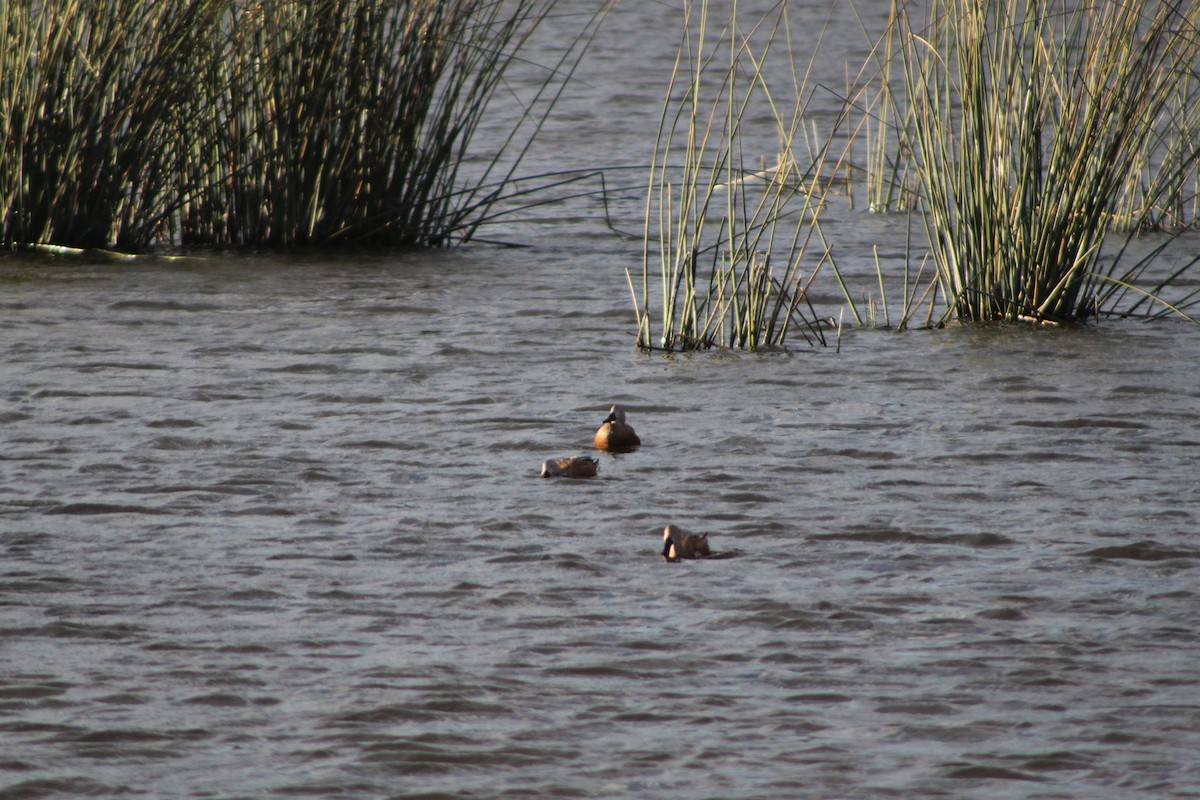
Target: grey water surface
273,526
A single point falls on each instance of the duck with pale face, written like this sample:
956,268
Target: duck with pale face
615,434
678,543
575,467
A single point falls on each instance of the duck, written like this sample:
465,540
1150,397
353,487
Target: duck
615,433
574,467
678,543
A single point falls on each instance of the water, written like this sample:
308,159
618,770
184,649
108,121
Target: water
274,527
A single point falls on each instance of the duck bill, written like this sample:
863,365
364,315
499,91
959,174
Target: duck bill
669,550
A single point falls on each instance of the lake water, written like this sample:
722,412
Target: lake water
273,526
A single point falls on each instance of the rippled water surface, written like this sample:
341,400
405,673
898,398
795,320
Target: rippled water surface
274,527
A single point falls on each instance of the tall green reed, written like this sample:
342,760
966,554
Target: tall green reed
86,95
260,124
734,244
1028,119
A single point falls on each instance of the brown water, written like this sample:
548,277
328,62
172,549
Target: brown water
274,527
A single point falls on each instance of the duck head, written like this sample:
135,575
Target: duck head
670,534
615,414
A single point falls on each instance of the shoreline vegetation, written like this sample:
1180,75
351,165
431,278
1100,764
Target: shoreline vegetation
137,124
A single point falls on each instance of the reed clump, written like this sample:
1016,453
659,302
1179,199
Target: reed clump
248,123
1037,127
88,92
734,240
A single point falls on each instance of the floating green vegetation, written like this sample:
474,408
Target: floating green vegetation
139,123
734,245
1038,128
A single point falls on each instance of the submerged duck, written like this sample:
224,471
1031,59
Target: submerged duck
678,543
615,433
574,467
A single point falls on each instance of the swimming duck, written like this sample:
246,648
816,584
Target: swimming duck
616,434
678,543
574,467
